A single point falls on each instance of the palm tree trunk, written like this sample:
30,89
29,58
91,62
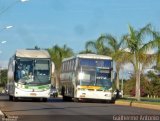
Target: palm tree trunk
56,80
137,70
138,85
158,57
117,79
117,76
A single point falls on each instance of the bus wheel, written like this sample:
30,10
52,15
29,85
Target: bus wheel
67,98
44,99
75,99
112,101
64,98
10,98
15,99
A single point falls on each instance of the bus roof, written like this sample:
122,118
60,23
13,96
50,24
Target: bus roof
89,56
32,53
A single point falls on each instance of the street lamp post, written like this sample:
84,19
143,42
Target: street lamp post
12,4
24,0
3,42
6,27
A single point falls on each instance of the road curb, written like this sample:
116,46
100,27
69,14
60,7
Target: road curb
136,104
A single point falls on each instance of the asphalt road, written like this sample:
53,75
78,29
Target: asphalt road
56,109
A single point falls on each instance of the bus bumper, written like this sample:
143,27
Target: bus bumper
32,94
99,95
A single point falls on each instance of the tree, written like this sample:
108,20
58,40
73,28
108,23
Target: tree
129,86
37,48
57,55
154,83
97,46
135,43
155,43
3,77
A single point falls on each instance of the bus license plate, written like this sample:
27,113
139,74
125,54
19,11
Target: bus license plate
33,94
82,96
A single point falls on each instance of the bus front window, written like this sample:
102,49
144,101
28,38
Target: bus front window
104,80
41,71
24,69
87,78
33,71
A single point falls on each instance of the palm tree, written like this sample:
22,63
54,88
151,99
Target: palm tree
57,55
97,46
155,43
135,43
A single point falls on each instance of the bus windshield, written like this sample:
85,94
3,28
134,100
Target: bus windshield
32,72
103,79
87,78
92,77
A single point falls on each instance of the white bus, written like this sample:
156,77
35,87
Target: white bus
87,77
29,75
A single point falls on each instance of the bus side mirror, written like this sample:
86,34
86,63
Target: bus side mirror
11,70
13,66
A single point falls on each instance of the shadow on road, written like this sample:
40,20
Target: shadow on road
52,99
5,97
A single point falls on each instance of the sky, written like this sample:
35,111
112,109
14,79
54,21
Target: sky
46,23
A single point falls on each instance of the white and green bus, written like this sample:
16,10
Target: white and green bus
87,77
29,75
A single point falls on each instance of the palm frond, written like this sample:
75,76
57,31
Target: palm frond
90,46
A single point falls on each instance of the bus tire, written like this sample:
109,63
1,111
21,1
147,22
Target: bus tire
64,98
10,98
75,99
67,98
44,99
112,101
15,99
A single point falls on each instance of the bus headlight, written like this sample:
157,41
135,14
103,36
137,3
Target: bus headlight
83,95
107,95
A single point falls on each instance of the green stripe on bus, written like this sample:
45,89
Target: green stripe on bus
37,87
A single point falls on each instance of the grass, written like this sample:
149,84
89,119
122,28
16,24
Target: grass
153,103
144,100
